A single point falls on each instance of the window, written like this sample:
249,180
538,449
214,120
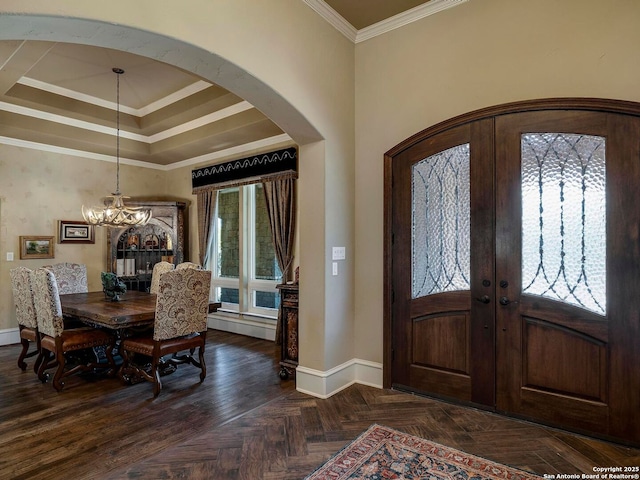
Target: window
241,254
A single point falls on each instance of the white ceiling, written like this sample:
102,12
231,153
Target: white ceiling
62,97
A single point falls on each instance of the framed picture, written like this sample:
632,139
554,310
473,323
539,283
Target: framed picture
36,247
75,232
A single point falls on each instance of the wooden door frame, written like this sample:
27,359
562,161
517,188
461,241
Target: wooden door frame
591,104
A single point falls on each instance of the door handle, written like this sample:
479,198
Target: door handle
484,299
506,301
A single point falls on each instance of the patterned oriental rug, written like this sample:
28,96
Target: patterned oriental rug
382,453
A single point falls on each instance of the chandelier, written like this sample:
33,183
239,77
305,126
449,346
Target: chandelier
114,213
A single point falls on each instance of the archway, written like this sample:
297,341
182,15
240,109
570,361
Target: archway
172,51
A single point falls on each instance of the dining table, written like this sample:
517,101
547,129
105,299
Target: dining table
134,309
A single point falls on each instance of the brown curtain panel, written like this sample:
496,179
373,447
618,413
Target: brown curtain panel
281,207
206,203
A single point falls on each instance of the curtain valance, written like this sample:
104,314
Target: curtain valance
245,171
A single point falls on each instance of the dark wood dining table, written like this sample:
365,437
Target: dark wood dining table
133,310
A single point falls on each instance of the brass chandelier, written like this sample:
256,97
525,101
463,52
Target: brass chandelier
114,213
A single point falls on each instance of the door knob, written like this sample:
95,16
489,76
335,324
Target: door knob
484,299
504,301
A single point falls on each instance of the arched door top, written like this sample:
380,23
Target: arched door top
572,103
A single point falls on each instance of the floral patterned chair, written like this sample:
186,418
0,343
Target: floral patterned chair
71,277
182,265
158,269
26,314
56,340
180,324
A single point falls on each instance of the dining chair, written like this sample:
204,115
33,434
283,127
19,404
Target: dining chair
182,265
71,277
56,341
158,269
25,314
180,324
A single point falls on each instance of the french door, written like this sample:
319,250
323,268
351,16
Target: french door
514,266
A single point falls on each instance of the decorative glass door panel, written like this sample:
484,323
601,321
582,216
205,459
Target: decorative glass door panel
441,223
564,218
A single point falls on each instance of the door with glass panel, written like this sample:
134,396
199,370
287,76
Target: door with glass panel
515,267
442,214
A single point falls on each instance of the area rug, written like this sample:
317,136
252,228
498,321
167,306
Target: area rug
382,453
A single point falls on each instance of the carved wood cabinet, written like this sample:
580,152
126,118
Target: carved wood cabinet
289,339
133,251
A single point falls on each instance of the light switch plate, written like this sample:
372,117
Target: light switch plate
335,268
9,256
338,253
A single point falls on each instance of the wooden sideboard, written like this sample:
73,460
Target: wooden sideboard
289,339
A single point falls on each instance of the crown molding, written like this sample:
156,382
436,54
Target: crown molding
94,127
397,21
404,18
221,154
138,112
333,17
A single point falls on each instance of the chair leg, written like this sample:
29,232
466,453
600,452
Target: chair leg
57,383
44,357
23,353
203,366
36,365
155,376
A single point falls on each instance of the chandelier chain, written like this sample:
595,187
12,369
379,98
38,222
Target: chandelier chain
118,72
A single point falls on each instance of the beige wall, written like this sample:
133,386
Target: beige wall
288,62
39,188
347,105
481,53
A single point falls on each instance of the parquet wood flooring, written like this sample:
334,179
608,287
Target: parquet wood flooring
243,422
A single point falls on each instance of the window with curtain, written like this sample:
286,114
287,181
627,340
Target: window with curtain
241,253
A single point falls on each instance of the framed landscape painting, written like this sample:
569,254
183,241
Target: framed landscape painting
75,232
36,247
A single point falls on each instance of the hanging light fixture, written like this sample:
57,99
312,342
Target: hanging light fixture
114,213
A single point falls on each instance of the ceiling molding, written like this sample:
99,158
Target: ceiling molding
45,147
221,154
240,149
404,18
138,112
94,127
213,117
397,21
333,17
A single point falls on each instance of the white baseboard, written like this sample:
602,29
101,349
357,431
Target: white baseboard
256,327
9,336
325,384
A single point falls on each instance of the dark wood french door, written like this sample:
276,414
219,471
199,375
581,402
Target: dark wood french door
513,266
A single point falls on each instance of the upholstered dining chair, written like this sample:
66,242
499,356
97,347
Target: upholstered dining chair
71,277
182,265
26,315
158,269
180,324
56,340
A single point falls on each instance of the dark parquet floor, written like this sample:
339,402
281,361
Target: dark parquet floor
244,423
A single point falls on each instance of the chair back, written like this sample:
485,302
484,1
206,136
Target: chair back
182,265
158,269
47,302
23,297
182,304
71,277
